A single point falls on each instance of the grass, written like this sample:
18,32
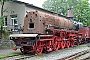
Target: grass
9,54
39,54
80,46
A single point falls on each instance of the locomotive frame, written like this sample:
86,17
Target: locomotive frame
35,43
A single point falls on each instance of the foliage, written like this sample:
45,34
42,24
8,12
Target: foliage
1,19
4,1
81,8
2,16
4,31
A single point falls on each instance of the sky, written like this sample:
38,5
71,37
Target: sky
34,2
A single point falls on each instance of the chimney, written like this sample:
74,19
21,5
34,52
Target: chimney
70,14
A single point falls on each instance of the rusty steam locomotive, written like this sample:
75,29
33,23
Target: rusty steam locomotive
47,32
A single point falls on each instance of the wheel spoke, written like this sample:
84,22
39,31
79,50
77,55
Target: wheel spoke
62,44
55,46
72,43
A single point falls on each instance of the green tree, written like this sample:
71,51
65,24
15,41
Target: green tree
2,16
81,8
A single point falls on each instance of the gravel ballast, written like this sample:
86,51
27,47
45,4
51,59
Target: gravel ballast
60,53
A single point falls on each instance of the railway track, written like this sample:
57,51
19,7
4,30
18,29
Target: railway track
84,57
18,57
77,56
69,57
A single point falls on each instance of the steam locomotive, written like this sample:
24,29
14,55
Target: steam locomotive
48,32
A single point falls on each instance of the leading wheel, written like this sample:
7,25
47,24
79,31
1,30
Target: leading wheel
38,50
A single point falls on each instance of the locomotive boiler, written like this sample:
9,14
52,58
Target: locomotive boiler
39,22
46,32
